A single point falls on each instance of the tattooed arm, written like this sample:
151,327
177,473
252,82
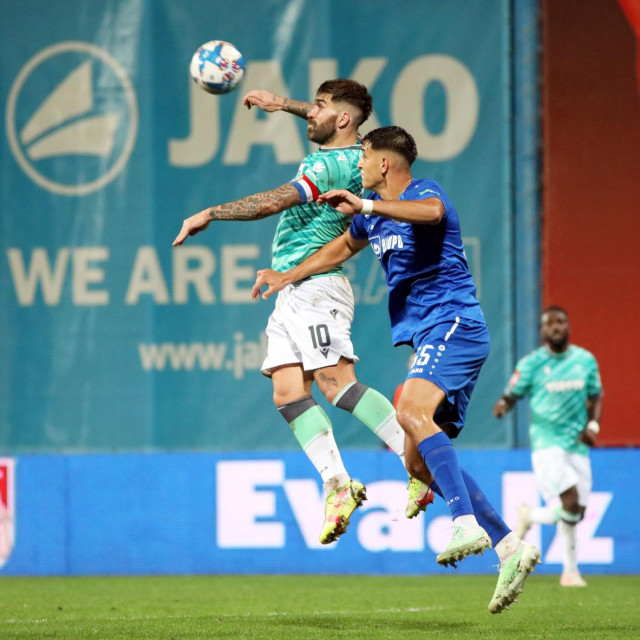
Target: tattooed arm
296,107
254,207
270,102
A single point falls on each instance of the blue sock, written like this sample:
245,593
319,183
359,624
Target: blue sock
440,456
486,515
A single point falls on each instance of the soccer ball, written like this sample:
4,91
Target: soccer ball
217,67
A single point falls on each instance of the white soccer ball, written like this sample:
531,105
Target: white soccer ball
217,67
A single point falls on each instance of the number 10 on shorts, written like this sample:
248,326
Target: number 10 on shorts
319,335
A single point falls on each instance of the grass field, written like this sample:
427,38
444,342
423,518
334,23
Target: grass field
306,607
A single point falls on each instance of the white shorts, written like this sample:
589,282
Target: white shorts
311,324
556,470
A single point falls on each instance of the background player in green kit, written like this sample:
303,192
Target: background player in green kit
309,332
563,383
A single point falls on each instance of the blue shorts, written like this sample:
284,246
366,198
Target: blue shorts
451,354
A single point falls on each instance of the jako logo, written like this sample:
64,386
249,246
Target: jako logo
79,136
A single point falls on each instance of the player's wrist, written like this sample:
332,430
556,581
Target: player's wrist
594,427
367,206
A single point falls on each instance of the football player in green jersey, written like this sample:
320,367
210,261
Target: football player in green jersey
309,332
562,381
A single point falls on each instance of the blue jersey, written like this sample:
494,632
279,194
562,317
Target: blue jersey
426,270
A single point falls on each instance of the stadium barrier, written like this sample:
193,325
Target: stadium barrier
240,513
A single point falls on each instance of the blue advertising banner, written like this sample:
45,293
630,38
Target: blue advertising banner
114,341
261,512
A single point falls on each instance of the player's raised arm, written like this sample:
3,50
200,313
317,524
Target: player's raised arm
253,207
429,211
270,102
331,255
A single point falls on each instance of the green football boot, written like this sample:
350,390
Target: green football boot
419,497
339,506
465,542
513,573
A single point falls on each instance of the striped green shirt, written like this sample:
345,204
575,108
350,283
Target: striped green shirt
305,228
558,385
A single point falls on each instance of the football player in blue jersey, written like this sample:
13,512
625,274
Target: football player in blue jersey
414,231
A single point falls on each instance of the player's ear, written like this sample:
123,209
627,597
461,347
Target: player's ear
344,120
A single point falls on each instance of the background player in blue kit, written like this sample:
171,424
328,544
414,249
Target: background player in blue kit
563,383
414,230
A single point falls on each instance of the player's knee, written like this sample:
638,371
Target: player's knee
572,506
410,423
283,398
328,391
416,425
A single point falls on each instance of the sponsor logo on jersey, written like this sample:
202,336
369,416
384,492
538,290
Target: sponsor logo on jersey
515,376
558,386
72,118
382,245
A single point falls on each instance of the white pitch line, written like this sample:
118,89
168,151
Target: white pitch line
268,614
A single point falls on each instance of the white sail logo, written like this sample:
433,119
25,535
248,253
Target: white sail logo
67,122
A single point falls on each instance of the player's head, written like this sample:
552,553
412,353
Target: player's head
554,328
394,139
341,106
384,150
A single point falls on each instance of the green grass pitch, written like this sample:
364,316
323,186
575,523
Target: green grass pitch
307,607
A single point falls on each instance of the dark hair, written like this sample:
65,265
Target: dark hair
351,92
394,139
554,308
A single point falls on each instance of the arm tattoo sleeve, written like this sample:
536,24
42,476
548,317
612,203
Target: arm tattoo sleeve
257,206
296,107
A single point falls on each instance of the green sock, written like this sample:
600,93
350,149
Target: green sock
312,428
375,411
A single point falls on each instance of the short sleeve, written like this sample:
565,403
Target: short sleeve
594,383
358,228
319,172
520,382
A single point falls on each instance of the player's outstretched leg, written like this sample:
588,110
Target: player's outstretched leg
339,506
420,496
513,573
377,413
469,538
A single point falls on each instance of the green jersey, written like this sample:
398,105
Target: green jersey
307,227
558,385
